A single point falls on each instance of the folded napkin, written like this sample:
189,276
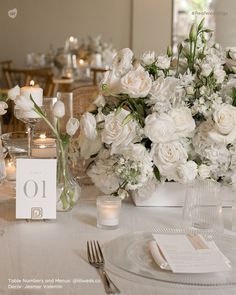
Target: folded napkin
158,256
195,263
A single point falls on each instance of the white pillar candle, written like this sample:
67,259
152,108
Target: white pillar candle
108,210
98,60
11,171
37,94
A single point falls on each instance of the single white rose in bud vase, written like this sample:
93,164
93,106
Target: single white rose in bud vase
3,107
72,126
59,109
23,103
14,92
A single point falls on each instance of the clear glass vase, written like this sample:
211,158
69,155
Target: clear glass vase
68,190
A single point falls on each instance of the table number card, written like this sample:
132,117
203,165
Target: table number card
36,188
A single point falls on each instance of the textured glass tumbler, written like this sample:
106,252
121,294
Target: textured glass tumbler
202,210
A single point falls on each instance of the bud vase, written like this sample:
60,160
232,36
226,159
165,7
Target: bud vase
68,190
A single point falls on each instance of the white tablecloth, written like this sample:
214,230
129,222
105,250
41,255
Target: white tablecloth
56,250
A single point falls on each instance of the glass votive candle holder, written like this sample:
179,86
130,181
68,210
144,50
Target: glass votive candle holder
108,212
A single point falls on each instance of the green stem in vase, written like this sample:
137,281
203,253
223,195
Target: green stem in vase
62,172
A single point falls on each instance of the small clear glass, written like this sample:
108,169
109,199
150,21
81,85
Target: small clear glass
30,118
108,212
202,212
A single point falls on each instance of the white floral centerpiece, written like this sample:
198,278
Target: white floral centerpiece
164,118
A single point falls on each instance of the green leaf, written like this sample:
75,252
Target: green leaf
169,51
127,119
104,87
157,173
207,31
3,97
234,96
65,139
200,26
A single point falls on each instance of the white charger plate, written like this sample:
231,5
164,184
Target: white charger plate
130,253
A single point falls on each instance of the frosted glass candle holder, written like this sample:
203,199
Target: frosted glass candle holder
108,212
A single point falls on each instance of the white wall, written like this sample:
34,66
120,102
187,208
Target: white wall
225,13
40,23
151,25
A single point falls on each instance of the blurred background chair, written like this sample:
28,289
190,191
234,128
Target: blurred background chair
6,64
43,77
97,74
83,98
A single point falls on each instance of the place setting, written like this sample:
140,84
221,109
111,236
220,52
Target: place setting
117,151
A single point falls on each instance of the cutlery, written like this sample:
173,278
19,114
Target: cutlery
96,259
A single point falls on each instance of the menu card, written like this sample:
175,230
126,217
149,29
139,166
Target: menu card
36,188
191,254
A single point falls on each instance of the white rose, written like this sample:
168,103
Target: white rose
89,147
72,126
100,101
190,90
224,130
23,103
168,156
184,123
100,117
14,92
159,128
103,176
204,171
88,125
117,133
148,57
232,52
122,62
206,69
163,62
186,172
136,152
162,89
136,83
112,81
219,75
58,109
3,107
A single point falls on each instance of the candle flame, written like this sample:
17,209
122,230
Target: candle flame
32,83
10,164
42,136
81,61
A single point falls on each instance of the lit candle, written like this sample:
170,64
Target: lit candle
11,171
44,147
81,62
37,94
108,210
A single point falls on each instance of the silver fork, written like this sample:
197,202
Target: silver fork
96,259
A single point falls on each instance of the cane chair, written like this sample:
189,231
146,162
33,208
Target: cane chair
83,98
42,77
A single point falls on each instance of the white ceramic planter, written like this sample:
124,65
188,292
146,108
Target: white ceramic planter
172,194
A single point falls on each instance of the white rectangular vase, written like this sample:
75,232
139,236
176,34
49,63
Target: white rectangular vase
171,194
